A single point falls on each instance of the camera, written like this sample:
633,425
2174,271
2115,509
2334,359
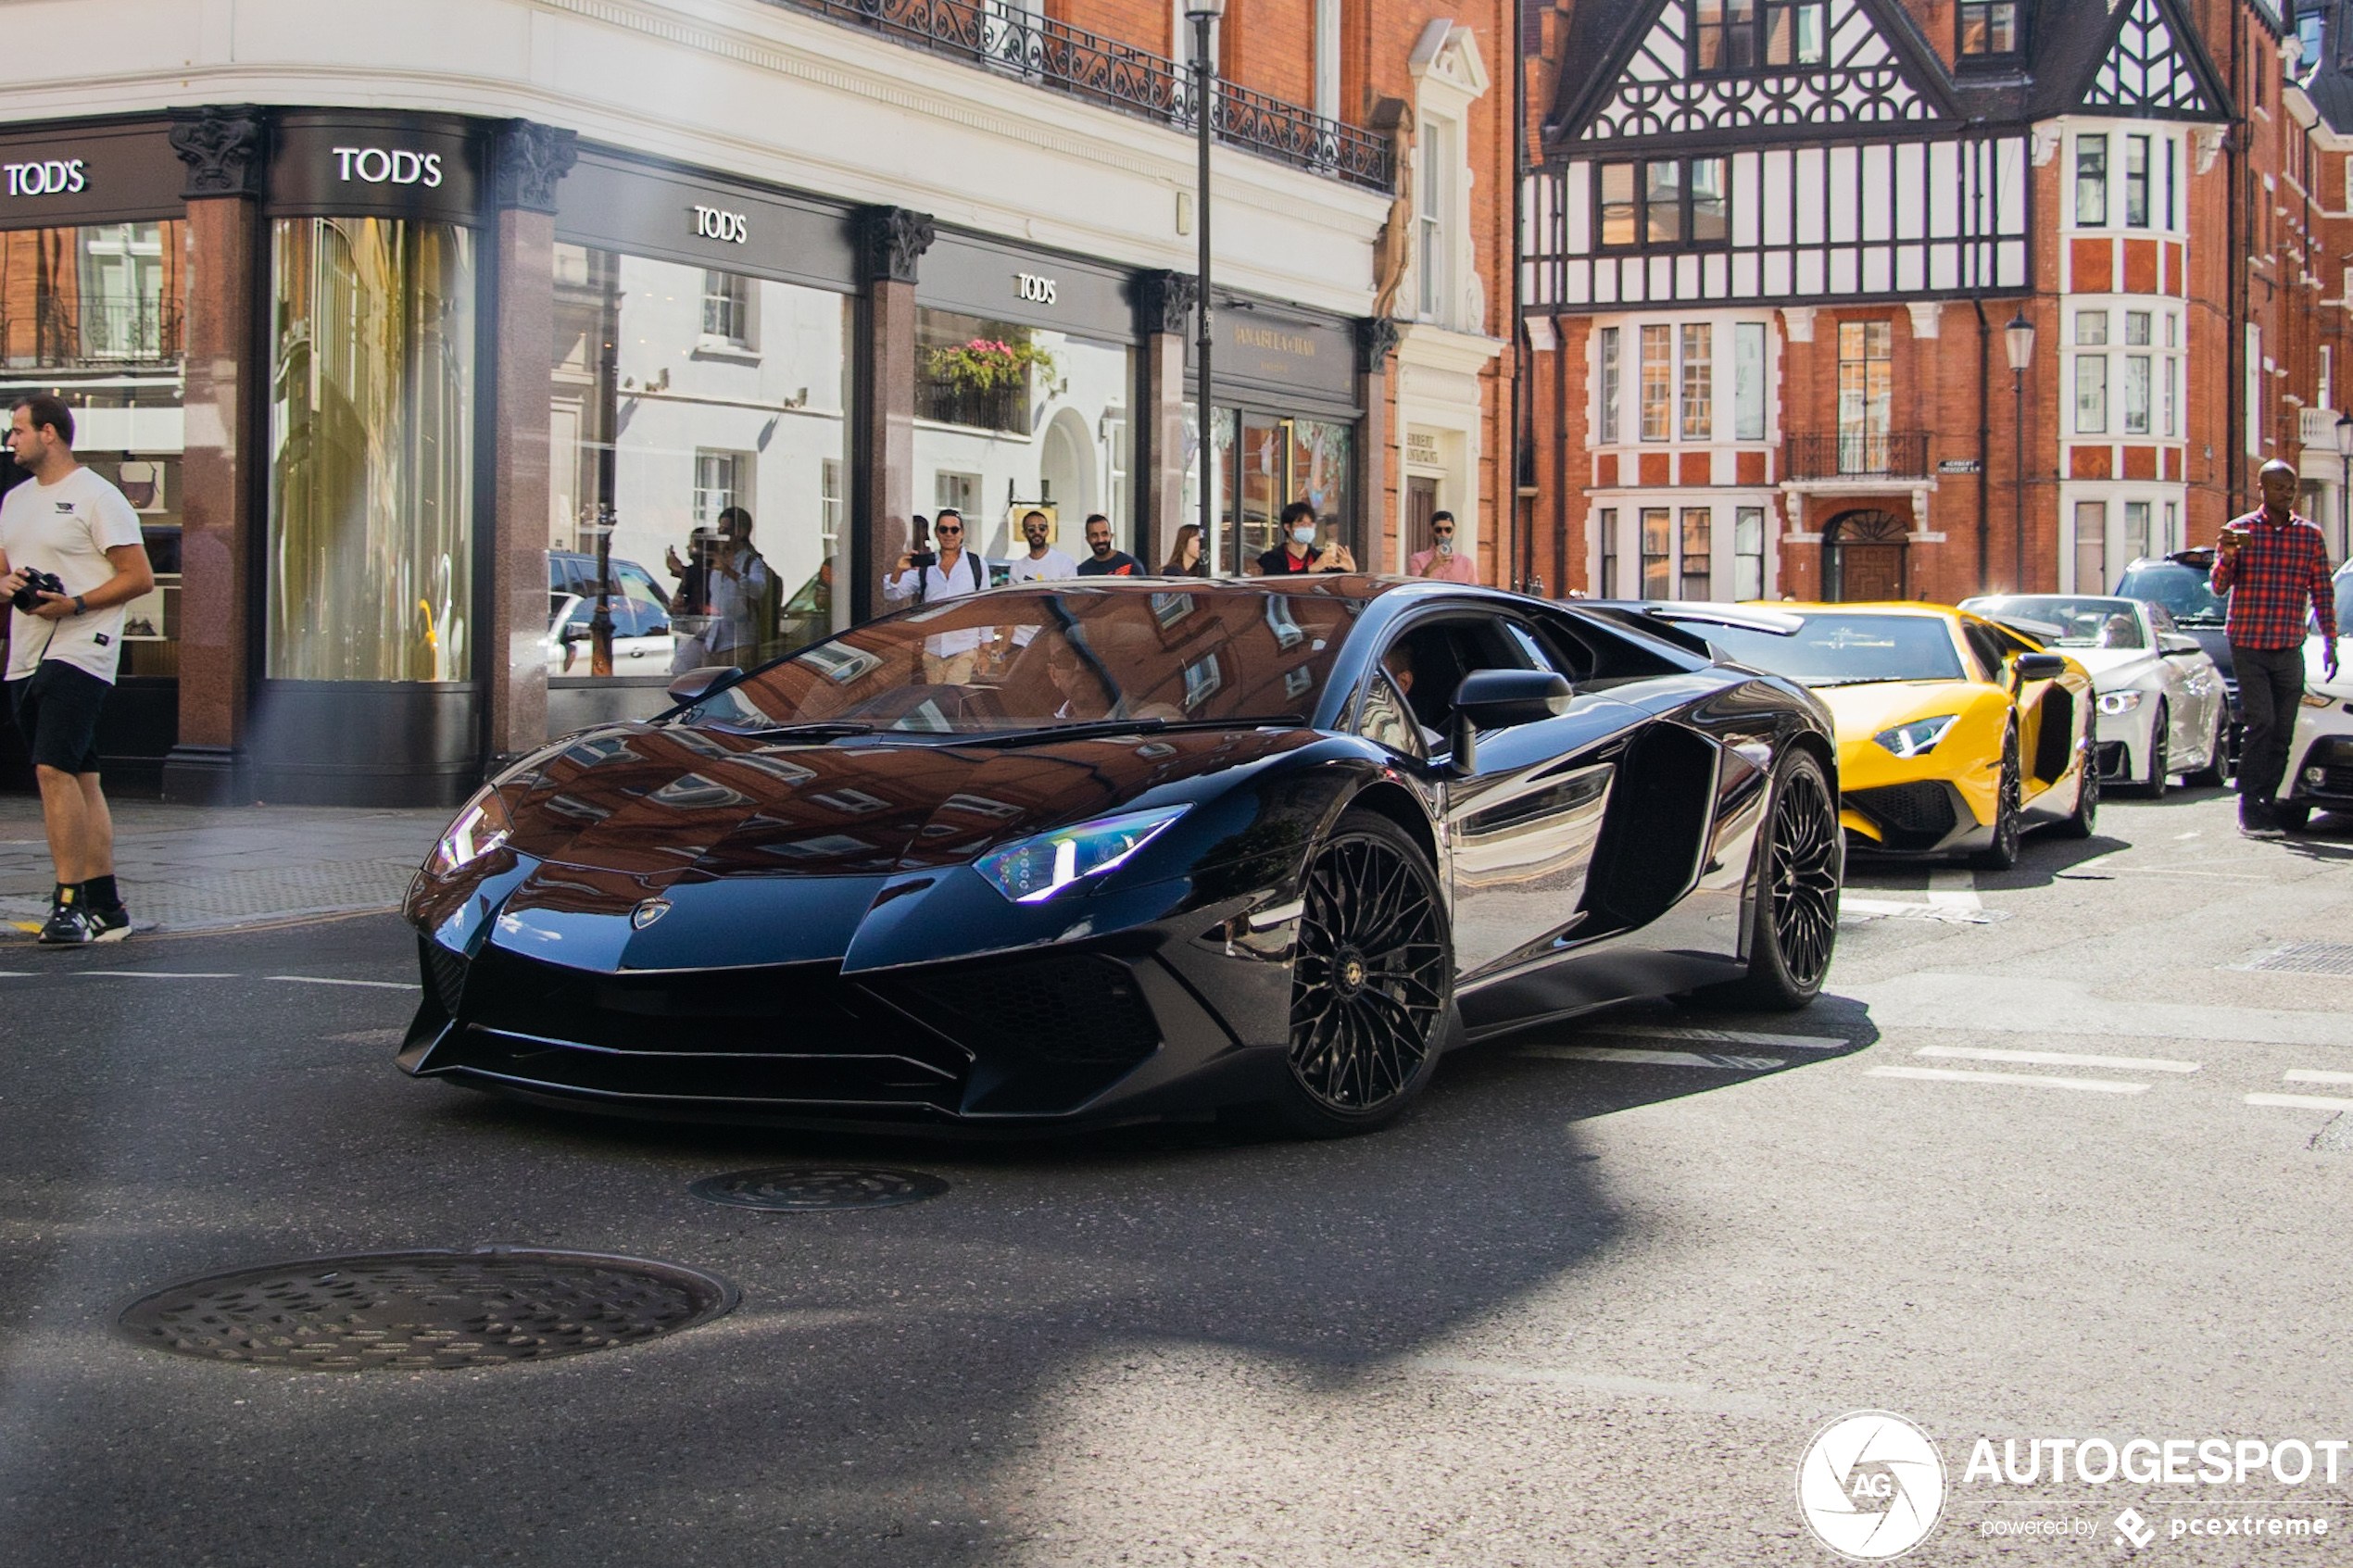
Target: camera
36,583
922,559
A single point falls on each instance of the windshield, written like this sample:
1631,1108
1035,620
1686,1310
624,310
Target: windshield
1014,660
2180,589
1840,649
2073,622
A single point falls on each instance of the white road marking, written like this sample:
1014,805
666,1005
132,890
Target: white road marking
1953,890
2314,1075
154,974
1948,1075
1656,1059
1873,909
2302,1102
2066,1059
2024,1005
2179,836
1723,1037
323,980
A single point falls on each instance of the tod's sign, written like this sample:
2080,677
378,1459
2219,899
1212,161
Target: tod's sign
381,166
50,177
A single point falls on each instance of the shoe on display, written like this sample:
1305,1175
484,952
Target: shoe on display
110,925
70,926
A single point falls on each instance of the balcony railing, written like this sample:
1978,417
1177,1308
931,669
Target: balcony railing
2317,427
1054,54
56,335
1887,454
952,403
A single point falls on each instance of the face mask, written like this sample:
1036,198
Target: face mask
1303,536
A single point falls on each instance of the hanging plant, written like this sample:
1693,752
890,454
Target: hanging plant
987,364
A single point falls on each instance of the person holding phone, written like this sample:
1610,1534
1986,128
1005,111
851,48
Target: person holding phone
950,658
2272,565
1441,561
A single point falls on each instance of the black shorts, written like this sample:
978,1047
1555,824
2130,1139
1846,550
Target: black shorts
58,707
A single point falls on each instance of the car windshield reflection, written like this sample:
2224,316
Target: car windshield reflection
2074,622
2180,589
1836,649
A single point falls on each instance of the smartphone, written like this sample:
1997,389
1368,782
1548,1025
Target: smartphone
922,558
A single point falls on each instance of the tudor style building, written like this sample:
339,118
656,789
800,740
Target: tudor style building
1773,248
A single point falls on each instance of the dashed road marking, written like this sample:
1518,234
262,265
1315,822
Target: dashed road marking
2023,1079
1656,1058
153,974
1723,1037
324,980
2302,1102
1953,890
2067,1058
2314,1075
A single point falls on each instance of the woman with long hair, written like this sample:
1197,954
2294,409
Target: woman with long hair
1183,557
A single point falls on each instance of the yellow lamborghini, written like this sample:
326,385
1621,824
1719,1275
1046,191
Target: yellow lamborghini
1954,735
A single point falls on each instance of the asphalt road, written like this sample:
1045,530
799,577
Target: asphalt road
1575,1309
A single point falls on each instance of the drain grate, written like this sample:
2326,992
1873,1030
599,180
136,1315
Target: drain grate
811,1187
2305,957
406,1311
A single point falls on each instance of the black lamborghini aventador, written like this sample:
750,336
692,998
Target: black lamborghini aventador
1078,854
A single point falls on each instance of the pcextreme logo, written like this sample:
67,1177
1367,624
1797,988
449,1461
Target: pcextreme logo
1871,1486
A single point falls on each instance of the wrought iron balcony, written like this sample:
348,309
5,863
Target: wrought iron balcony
999,37
62,335
1883,454
996,408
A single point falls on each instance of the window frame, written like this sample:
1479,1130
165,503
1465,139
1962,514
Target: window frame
1690,208
1765,24
1983,11
2091,177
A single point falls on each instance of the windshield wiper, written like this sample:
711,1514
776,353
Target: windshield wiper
1866,681
1090,729
823,729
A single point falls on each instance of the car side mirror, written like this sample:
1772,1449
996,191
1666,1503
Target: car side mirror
2036,667
2175,646
1493,700
1462,759
696,684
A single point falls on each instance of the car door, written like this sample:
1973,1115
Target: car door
1523,822
2193,686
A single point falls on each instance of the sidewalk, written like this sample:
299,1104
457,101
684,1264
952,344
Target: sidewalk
199,868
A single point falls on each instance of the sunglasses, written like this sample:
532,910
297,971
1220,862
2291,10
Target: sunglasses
1443,532
947,528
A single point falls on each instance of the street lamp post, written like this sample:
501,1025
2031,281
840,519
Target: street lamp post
2344,483
1204,14
2018,342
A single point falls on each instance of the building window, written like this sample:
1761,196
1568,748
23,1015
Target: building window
1698,381
958,493
1658,382
2136,182
1658,559
830,502
2173,392
1608,386
1748,553
720,483
1737,35
2136,531
1664,202
1866,391
1988,27
1430,221
1748,380
2091,181
2091,546
2136,330
2091,395
2254,367
2328,378
2173,530
2166,212
1698,552
1609,586
726,307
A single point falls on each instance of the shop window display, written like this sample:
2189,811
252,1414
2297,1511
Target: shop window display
91,314
699,442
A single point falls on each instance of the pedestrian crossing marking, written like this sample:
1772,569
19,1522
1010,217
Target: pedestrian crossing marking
2066,1059
2023,1080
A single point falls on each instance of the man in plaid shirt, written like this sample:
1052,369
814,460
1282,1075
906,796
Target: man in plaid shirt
2271,564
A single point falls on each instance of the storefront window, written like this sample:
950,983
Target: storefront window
696,486
1011,418
1285,459
371,541
91,315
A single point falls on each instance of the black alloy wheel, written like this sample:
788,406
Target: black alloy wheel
2002,854
1372,982
2153,786
1802,865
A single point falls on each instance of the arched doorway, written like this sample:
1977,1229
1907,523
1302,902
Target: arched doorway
1863,558
1067,468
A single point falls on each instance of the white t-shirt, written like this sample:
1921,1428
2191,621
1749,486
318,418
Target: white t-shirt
1054,567
970,576
67,528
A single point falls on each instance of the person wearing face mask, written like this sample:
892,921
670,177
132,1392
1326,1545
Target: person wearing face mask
1106,562
1297,552
1440,560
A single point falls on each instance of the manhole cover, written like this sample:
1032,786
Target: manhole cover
415,1310
2305,958
819,1186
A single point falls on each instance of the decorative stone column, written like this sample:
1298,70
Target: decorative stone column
220,479
1376,342
1165,304
891,240
527,162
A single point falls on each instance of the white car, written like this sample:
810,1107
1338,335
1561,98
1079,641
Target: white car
2163,708
2320,757
642,640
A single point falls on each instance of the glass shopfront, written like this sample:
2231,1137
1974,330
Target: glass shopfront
1284,430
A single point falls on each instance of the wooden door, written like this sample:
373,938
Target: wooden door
1870,572
1421,503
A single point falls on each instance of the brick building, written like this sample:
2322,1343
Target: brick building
1773,250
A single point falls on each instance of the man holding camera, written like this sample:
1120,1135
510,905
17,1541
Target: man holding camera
72,557
2272,565
926,576
1441,562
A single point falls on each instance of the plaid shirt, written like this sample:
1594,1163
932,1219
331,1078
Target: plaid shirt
2275,572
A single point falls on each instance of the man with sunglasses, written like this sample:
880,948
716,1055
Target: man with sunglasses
1440,560
949,657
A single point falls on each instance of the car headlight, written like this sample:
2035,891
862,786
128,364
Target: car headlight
2114,703
480,829
1041,867
1917,738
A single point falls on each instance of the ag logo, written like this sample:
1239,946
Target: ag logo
647,912
1871,1486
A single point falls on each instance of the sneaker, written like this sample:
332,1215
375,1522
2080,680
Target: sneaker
69,926
2262,827
110,926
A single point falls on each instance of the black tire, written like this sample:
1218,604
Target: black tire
2152,785
2295,816
1801,865
2218,762
2002,854
1372,982
2085,818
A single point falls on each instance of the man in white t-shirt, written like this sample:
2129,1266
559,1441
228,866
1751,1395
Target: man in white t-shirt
1042,564
71,524
950,657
